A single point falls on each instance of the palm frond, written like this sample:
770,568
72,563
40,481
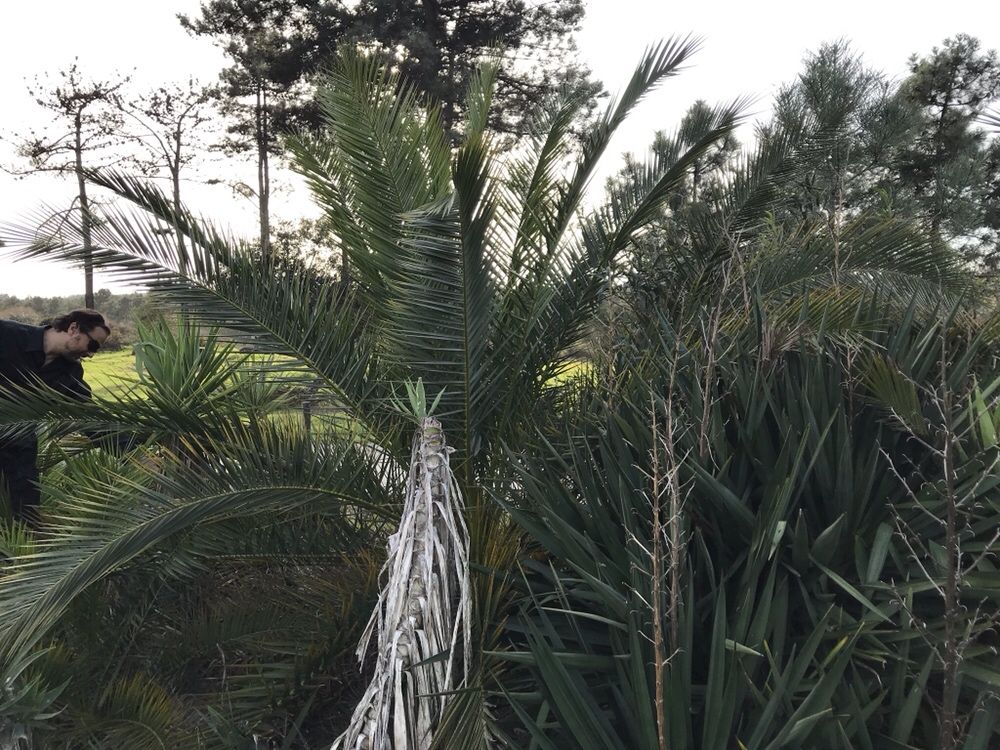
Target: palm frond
533,185
423,618
546,312
383,155
275,306
991,119
658,63
97,530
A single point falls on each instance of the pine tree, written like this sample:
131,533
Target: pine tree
438,43
951,166
274,45
83,131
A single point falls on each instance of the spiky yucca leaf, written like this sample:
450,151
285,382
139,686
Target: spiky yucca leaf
797,582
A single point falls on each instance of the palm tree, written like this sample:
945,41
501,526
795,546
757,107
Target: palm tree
472,270
733,544
216,630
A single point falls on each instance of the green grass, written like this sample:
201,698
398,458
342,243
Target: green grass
107,371
573,369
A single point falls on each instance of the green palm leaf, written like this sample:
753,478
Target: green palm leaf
99,530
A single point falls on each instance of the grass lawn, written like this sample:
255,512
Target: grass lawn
107,370
574,369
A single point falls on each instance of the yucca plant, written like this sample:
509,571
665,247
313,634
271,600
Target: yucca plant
766,572
696,588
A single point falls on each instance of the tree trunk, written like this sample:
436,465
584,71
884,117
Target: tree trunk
833,218
423,613
938,216
85,220
175,175
263,173
445,63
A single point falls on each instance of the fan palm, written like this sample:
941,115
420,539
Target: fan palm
471,269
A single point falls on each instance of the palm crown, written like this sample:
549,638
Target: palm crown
472,270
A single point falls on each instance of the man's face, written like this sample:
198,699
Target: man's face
82,344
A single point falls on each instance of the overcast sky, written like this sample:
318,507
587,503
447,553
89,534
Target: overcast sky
750,48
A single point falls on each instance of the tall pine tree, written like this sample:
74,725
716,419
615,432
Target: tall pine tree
437,43
274,46
82,134
951,166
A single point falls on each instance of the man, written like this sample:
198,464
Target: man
50,354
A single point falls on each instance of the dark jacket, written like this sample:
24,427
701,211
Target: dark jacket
22,363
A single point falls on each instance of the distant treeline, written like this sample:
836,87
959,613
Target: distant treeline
123,311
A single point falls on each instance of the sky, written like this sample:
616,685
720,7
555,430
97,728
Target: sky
748,49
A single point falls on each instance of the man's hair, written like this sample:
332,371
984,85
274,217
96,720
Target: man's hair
86,320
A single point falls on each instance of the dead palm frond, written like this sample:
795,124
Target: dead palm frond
422,622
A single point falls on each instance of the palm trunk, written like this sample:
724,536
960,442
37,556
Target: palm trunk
424,610
14,736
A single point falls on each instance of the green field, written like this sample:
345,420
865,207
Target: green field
105,372
108,372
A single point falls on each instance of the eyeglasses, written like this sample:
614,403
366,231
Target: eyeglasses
93,345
